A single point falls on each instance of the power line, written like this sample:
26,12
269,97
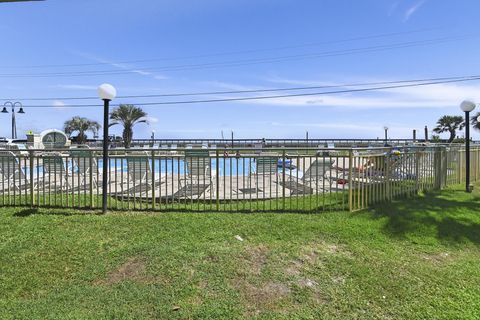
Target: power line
277,96
368,37
237,63
205,93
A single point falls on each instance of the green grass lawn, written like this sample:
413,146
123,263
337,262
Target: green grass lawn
414,259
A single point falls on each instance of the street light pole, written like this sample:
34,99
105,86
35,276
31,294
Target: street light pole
107,93
386,134
14,122
153,137
467,107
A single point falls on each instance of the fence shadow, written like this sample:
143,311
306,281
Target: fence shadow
445,216
53,211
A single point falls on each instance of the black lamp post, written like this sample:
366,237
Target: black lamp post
467,107
107,93
386,135
14,123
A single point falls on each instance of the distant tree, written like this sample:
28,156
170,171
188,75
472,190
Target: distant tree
435,138
81,125
450,124
128,115
459,140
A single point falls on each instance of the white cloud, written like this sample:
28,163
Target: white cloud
59,105
188,131
127,67
227,85
338,125
431,96
152,119
76,87
296,82
411,10
393,8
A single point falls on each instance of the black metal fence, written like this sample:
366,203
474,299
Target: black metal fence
169,178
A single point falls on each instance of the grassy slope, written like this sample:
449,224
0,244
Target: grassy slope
416,258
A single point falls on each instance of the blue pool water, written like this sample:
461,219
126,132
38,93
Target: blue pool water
226,167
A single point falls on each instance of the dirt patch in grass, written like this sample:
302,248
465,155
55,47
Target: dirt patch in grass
256,258
294,268
134,269
307,283
263,297
312,255
258,294
437,258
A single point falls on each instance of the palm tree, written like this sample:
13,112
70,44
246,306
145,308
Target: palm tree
128,115
474,121
450,124
81,125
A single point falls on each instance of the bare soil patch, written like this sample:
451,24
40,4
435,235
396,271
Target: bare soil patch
134,269
437,258
256,258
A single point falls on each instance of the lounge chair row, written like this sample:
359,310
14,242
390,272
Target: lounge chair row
198,177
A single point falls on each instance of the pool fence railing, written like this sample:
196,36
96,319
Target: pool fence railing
166,177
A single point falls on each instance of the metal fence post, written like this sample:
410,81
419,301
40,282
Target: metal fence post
153,179
90,184
217,181
283,180
444,167
350,180
417,171
437,169
32,198
388,190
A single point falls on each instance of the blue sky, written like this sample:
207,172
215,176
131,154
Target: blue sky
169,33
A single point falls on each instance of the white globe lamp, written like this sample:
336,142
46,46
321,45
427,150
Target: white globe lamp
107,92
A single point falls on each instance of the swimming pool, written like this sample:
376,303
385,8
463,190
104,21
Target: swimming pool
176,166
226,167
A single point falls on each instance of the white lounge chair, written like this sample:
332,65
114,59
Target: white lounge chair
316,177
319,171
198,174
140,175
11,171
56,172
86,165
266,168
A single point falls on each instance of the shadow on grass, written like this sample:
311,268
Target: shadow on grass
451,216
57,212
